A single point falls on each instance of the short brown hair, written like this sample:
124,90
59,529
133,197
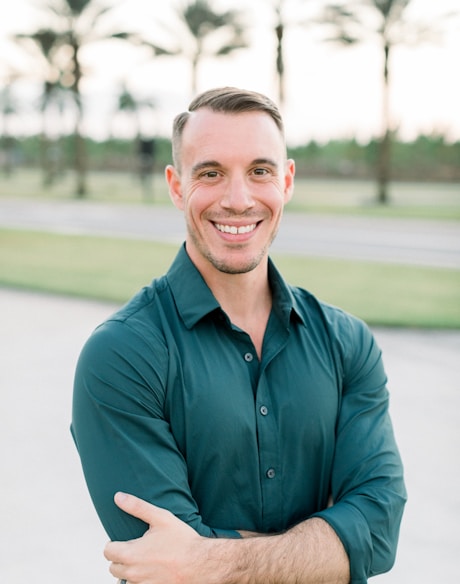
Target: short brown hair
229,100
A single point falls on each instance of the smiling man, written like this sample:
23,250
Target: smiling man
242,423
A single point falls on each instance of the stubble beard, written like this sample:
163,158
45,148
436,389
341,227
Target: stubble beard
228,267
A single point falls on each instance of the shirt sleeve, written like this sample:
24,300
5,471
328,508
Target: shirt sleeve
367,483
123,439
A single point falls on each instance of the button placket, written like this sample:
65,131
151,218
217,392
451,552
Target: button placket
269,453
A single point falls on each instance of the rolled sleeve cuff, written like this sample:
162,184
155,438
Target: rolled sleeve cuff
353,531
225,534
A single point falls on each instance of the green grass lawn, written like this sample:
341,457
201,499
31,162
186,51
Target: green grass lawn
113,269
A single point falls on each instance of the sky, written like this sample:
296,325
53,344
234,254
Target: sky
332,92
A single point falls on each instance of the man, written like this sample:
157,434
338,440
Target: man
223,405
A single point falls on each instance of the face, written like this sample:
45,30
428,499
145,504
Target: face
233,184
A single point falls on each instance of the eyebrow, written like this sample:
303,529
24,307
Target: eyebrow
267,161
205,164
215,164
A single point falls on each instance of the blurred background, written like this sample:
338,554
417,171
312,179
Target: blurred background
370,94
369,88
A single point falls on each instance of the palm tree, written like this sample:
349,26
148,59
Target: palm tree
202,32
280,26
73,24
7,109
386,19
47,44
210,34
145,146
282,23
128,103
78,23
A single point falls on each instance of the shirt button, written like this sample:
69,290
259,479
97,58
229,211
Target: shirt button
263,410
248,357
271,473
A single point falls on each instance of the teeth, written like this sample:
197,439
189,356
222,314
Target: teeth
235,230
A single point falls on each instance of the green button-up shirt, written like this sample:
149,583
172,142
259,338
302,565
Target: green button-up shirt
172,404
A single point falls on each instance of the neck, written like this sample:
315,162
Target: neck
246,299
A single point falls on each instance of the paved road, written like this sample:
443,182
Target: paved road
50,533
416,242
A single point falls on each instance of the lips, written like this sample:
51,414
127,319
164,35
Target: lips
234,230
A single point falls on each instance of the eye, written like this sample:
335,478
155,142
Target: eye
260,172
209,174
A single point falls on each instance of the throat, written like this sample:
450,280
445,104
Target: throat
246,298
253,321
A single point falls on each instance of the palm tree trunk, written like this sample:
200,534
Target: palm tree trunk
279,31
6,137
195,73
80,159
80,164
46,158
280,62
384,153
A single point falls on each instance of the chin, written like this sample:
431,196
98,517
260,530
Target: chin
236,267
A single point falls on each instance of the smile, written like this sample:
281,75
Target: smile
235,230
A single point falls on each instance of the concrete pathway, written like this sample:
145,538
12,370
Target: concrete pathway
50,533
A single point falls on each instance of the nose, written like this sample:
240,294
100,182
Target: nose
237,196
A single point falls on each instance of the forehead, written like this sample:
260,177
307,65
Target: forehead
210,134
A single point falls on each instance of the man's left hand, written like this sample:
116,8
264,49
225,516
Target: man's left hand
163,555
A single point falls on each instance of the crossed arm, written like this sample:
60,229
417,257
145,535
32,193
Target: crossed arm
171,552
366,484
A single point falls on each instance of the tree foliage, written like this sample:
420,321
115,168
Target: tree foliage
198,30
72,25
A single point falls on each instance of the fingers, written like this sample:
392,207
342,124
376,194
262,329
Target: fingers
120,570
114,552
119,552
157,555
141,509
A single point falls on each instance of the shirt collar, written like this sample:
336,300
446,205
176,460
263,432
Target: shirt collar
192,296
194,299
284,302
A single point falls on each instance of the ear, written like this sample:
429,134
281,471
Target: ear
289,180
174,184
